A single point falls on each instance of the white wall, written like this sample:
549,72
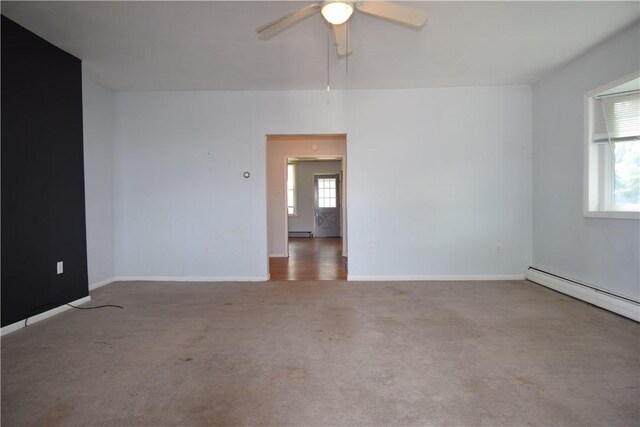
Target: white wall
98,124
304,220
602,252
437,179
183,207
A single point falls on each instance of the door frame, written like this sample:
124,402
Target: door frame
343,195
278,148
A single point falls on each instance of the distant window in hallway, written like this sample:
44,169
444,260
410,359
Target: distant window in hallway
291,189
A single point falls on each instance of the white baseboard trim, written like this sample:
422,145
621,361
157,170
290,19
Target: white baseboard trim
588,293
190,279
45,315
278,255
355,278
101,284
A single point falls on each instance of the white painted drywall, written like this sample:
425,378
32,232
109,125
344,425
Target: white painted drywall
305,193
437,179
98,128
599,251
183,207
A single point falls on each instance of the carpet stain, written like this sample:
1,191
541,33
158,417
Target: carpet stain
296,373
386,378
477,385
530,383
396,291
524,380
56,415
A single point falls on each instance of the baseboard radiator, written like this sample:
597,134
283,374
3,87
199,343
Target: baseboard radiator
619,304
301,234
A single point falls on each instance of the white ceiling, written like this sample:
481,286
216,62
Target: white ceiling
167,45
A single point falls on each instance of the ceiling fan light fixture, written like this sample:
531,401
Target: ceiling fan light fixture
337,12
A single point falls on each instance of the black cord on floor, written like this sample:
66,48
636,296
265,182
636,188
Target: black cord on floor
33,310
70,305
97,306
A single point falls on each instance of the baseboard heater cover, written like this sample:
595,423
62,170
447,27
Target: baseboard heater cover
308,234
604,299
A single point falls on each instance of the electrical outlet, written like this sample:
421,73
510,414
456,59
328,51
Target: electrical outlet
59,267
371,249
498,248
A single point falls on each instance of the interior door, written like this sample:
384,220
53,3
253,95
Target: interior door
327,205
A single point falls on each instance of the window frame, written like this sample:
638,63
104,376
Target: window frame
334,198
295,192
595,195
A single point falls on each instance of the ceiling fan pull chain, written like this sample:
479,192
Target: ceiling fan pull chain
328,47
347,54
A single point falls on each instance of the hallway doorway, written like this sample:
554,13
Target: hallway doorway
310,258
307,227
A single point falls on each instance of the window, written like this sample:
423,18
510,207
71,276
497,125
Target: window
326,192
612,160
291,189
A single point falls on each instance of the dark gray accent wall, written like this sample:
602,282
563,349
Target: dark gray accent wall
43,212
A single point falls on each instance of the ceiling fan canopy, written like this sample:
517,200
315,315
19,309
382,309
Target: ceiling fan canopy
337,14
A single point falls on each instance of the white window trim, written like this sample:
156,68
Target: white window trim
591,186
295,191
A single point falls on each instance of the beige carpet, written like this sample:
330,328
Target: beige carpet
325,353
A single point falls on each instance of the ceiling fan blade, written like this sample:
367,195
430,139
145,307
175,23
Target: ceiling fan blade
276,27
342,39
397,13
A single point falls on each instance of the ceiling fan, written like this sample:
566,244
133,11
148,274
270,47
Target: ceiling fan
337,14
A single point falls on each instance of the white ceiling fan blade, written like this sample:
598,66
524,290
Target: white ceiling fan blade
271,29
397,13
342,39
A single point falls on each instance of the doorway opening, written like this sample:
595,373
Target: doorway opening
307,201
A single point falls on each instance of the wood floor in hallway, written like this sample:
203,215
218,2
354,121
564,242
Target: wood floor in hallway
310,259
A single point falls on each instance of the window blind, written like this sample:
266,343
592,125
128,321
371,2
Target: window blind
616,118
